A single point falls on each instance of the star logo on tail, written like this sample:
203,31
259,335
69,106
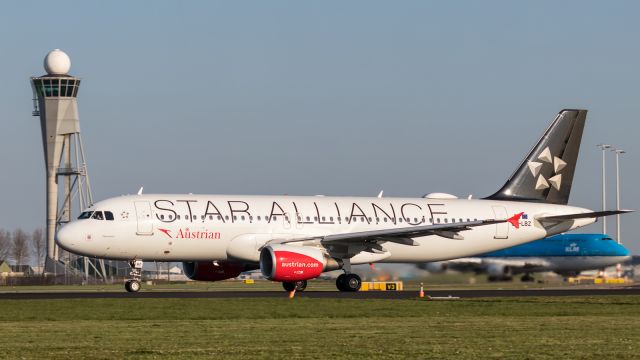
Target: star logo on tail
558,164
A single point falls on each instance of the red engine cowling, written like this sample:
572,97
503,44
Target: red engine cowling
295,263
208,271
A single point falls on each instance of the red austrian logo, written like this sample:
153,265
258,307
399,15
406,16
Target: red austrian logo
189,234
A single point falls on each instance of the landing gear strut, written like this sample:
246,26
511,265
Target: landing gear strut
527,278
297,285
349,282
133,284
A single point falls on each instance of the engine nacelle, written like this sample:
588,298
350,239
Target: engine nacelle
499,271
295,263
208,271
435,267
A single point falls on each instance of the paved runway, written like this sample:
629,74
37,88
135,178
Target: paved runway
316,294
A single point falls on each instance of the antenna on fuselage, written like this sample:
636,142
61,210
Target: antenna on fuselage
140,191
380,194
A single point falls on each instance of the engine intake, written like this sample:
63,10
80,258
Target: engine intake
295,263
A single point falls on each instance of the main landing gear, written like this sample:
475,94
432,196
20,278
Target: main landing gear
133,285
295,285
349,282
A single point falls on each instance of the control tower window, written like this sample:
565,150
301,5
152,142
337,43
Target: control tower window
108,215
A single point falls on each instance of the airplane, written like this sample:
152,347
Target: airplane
292,239
564,254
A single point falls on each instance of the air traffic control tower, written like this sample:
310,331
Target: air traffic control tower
55,102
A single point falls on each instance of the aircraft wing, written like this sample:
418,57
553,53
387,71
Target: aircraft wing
521,263
405,235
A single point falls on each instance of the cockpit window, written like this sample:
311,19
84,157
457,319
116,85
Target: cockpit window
97,215
108,215
85,215
607,238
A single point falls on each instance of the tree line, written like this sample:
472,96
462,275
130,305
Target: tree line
20,248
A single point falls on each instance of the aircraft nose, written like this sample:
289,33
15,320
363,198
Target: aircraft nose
68,237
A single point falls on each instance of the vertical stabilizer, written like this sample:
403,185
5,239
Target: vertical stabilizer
546,174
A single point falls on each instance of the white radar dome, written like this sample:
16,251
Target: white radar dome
57,62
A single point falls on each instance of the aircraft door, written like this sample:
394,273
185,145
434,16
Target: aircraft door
143,215
502,229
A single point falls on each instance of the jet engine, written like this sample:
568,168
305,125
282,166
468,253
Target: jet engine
210,271
499,272
435,267
295,263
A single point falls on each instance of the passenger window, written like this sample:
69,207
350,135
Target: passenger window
446,220
177,217
235,218
226,217
210,217
219,217
202,217
331,218
242,217
399,219
259,217
308,218
108,215
385,219
323,218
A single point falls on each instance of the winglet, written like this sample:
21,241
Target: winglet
515,220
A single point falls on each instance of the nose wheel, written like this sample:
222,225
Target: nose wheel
349,282
133,284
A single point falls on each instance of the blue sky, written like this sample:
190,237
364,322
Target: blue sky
336,98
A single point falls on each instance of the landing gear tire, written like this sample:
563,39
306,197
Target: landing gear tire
132,286
297,285
348,282
527,278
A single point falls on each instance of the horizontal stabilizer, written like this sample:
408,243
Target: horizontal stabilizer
594,214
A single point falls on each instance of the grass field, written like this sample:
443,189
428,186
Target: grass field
526,328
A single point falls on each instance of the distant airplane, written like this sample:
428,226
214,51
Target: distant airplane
296,238
564,254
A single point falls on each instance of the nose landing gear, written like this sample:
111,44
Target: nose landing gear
133,285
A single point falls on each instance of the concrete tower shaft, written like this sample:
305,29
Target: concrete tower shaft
55,102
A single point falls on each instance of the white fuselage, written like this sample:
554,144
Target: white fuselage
223,227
